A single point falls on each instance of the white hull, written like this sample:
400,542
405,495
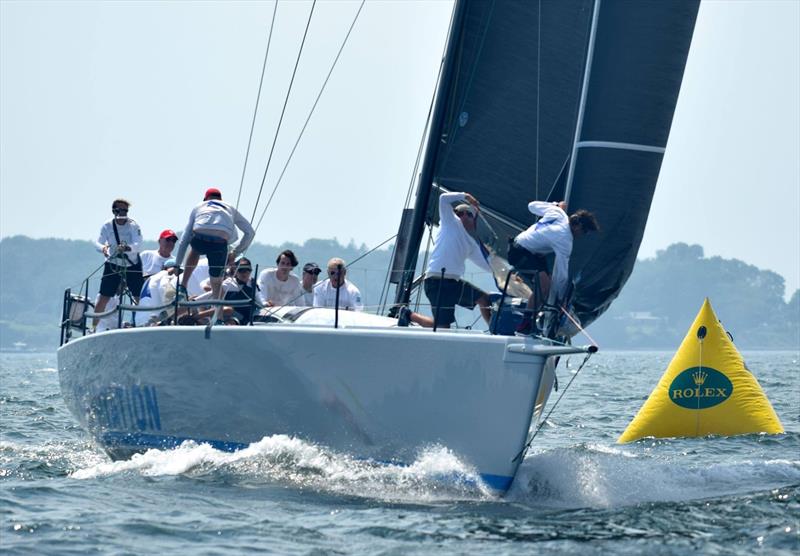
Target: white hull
376,393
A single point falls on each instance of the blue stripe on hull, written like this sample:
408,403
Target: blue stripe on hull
135,441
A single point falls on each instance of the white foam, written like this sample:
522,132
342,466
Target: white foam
605,476
435,474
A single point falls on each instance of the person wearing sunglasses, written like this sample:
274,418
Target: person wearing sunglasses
239,286
444,286
153,259
308,282
119,242
349,294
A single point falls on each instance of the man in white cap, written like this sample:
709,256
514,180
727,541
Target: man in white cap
444,285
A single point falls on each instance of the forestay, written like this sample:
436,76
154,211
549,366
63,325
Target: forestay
526,85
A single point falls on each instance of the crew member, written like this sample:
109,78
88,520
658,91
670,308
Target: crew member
211,228
552,233
453,246
349,295
119,242
153,259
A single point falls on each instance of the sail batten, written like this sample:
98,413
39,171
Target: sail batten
550,96
622,146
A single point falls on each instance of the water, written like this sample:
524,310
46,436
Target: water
576,492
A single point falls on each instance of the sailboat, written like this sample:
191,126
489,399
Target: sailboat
559,100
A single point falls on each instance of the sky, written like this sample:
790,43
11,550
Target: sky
153,101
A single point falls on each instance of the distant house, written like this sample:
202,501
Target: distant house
642,317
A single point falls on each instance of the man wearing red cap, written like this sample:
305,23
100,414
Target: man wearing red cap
211,228
153,259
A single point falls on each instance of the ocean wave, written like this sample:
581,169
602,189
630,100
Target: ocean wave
591,475
436,474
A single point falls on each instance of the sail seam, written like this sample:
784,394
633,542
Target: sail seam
622,146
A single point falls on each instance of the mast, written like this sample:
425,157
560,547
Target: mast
416,230
582,106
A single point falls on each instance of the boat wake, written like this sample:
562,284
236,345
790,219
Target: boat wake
436,474
580,476
599,476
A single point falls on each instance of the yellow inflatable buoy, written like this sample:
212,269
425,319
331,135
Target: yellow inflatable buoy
706,389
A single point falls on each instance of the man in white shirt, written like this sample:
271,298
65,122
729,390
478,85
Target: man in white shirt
119,242
325,292
552,233
444,285
278,286
211,228
308,282
153,259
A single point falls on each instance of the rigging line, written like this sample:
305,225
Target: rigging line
381,244
283,110
538,88
255,110
424,265
430,112
91,274
308,119
525,448
578,325
422,141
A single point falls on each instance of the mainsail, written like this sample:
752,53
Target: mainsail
551,100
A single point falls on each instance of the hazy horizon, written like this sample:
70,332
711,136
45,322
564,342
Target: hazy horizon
153,102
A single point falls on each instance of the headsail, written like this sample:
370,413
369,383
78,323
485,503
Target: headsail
511,102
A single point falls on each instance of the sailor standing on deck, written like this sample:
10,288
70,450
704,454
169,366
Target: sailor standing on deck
119,243
211,228
453,246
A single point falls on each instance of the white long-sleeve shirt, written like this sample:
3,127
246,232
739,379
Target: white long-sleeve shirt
453,245
217,218
129,233
349,296
551,234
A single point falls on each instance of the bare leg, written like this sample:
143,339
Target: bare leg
485,307
544,286
216,289
421,320
102,301
191,263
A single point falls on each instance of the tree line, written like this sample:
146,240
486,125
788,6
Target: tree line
654,310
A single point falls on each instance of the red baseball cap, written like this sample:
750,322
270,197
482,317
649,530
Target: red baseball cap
168,234
212,191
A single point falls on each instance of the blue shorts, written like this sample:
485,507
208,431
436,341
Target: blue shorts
215,249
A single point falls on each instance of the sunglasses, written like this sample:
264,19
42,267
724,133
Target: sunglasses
119,211
244,269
